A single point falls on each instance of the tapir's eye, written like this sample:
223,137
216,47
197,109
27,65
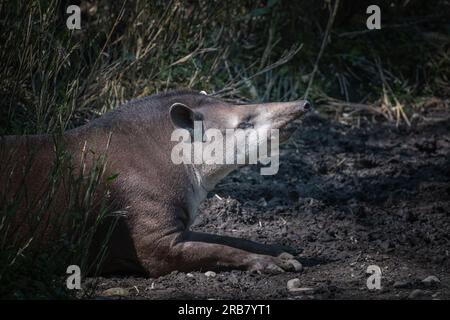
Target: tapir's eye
246,123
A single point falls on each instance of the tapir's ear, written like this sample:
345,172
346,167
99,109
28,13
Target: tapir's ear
183,117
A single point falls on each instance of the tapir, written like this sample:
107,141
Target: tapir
159,199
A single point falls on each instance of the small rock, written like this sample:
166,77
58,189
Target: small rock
293,284
431,281
189,275
415,294
210,274
111,292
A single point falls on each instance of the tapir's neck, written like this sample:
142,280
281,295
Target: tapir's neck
203,178
196,192
210,175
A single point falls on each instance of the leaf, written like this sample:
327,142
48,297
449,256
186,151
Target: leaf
112,177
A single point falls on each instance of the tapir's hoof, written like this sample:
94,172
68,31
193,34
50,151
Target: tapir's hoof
268,264
291,260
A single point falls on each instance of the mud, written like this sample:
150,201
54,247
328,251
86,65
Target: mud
345,197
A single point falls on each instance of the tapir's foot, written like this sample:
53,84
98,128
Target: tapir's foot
191,251
269,264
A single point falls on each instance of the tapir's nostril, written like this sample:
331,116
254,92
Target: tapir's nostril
307,106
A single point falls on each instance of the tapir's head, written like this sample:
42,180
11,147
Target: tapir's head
213,119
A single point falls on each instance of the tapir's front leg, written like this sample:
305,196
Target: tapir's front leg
164,245
177,252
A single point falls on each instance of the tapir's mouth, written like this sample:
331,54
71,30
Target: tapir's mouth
287,131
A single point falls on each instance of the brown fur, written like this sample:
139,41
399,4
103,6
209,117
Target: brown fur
153,237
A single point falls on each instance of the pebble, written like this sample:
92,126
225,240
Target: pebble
293,285
431,281
416,294
111,292
189,275
210,274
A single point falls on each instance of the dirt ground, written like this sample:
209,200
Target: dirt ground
344,198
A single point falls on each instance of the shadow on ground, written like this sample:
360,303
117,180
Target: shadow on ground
343,199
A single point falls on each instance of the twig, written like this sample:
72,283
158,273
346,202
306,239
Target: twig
355,107
391,26
322,47
284,59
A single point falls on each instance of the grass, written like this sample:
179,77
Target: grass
53,79
38,246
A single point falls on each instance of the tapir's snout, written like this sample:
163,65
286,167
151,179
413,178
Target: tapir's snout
289,111
305,105
284,116
299,107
